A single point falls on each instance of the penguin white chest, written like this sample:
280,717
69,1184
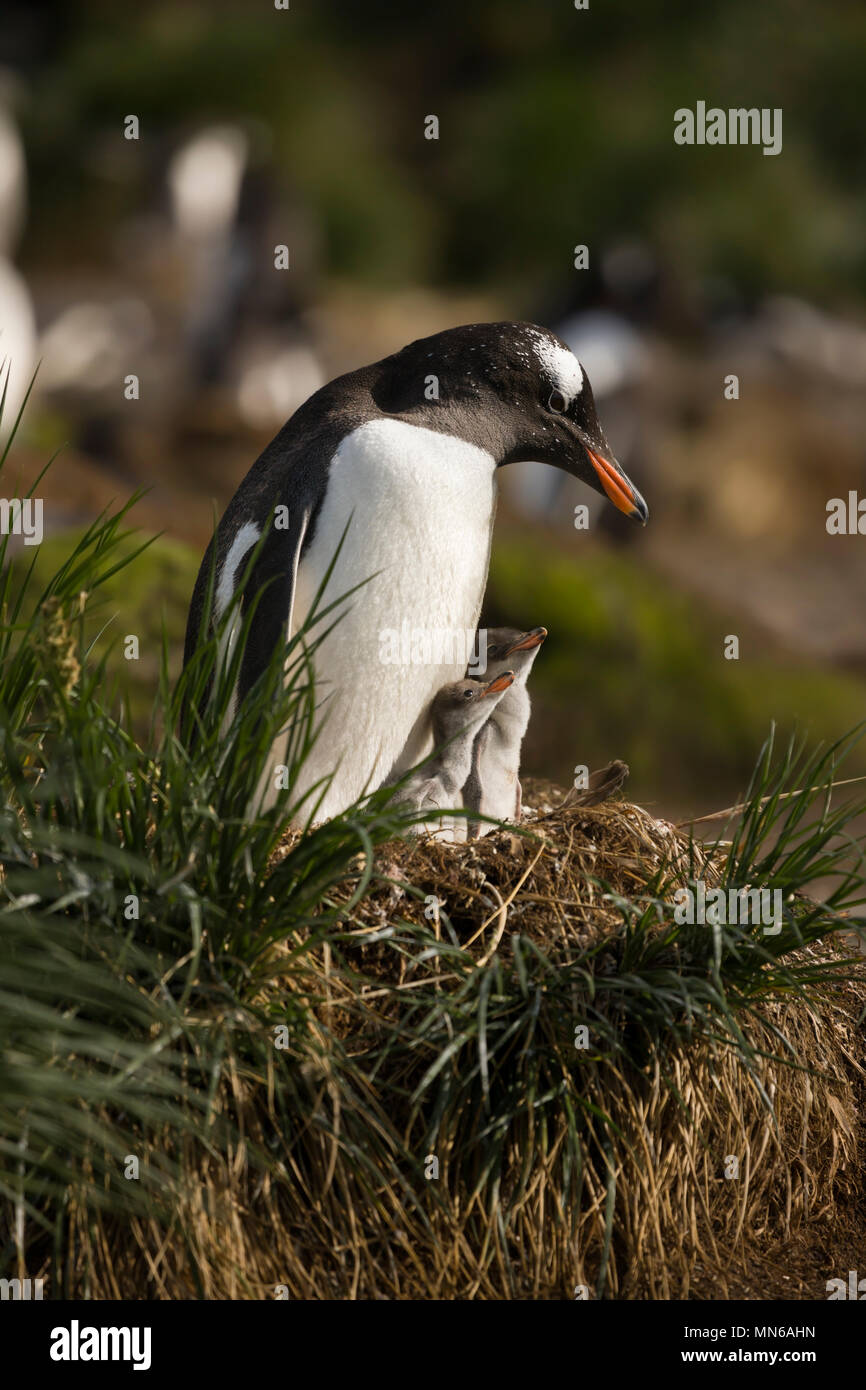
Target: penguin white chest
419,507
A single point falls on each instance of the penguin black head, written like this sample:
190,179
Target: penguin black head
513,389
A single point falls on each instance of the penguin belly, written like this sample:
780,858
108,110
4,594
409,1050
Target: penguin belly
494,786
421,505
500,795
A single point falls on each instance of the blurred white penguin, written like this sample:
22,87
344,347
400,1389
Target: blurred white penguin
17,320
82,346
241,327
204,182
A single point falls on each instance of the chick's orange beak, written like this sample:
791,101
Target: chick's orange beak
499,683
528,640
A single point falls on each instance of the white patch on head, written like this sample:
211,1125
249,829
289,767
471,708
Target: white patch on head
558,364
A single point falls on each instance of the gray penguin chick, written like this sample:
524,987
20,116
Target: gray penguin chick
493,785
457,713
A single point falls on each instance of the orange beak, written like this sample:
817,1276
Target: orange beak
618,488
499,683
529,640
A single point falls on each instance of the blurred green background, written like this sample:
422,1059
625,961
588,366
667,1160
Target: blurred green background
555,129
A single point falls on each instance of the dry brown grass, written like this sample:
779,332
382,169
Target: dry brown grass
324,1227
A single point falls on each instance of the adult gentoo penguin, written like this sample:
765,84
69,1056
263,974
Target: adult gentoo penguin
404,452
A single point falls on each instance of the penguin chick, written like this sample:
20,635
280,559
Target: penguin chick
493,785
458,711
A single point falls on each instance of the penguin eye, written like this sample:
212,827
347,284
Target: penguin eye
557,402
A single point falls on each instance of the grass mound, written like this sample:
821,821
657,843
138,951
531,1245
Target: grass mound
656,1209
411,1038
700,1159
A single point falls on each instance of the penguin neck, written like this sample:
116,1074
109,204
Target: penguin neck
475,419
510,719
454,763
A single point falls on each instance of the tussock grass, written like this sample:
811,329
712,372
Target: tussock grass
275,1022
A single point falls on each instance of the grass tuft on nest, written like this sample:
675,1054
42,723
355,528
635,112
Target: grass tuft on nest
241,1060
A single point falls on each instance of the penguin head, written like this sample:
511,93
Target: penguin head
464,705
515,390
561,425
508,647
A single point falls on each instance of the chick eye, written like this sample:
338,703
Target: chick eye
469,694
557,402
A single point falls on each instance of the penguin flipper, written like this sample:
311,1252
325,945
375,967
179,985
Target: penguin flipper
276,565
271,624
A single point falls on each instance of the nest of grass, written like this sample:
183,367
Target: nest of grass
714,1165
701,1176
